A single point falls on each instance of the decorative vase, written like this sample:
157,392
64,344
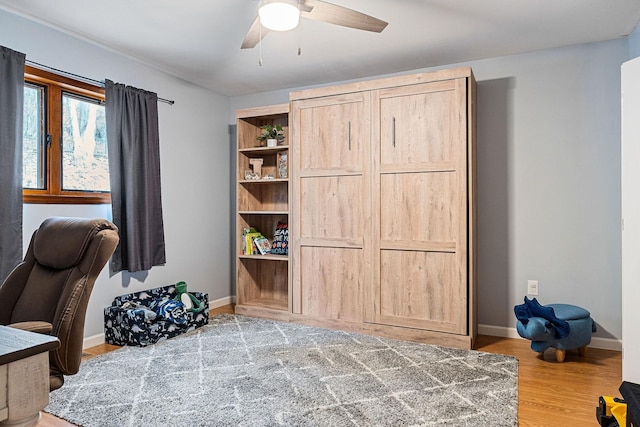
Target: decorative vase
272,142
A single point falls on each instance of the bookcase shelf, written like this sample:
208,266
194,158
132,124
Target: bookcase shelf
263,212
263,181
268,257
274,304
262,151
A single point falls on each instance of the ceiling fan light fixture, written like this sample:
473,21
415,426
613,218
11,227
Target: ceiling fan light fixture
279,15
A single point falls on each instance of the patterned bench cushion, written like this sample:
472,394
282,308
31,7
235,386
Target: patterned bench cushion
133,326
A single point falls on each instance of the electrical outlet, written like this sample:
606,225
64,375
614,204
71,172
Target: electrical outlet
532,287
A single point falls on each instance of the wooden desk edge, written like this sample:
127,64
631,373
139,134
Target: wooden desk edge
16,344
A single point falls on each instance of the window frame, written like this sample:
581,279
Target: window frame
55,85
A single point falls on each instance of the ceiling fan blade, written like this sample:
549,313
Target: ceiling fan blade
340,15
253,36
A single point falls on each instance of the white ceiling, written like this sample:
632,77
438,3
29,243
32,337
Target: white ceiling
199,41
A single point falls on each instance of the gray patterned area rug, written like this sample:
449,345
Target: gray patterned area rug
241,371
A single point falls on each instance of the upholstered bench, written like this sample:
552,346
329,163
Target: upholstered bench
130,320
561,326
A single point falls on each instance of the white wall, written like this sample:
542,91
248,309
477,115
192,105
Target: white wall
194,152
631,217
631,211
634,42
548,180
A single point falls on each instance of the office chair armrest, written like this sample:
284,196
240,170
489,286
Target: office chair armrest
36,326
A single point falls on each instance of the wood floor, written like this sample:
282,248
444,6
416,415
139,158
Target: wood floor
550,394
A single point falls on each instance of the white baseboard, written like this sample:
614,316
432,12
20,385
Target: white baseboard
93,341
222,301
98,339
501,331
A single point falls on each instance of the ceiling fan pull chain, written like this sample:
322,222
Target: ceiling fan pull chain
299,39
299,33
260,45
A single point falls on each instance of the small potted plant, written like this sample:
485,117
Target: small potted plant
272,134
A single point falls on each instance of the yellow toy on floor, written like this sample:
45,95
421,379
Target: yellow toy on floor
611,412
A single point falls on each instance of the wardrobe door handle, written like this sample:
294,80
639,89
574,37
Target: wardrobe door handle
393,131
349,135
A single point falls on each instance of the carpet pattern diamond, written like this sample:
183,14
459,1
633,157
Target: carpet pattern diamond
242,371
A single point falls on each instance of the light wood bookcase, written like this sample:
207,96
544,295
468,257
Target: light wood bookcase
262,281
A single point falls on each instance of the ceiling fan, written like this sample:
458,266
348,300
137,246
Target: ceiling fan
283,15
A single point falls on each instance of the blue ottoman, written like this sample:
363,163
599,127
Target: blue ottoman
561,326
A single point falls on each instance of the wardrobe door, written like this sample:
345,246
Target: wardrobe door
331,206
420,200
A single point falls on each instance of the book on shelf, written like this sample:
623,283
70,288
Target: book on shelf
247,240
254,243
250,244
263,245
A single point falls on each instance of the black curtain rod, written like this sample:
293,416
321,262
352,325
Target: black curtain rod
98,82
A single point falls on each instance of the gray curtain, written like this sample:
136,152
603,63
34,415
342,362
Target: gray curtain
134,170
11,110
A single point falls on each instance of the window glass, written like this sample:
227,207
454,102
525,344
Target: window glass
85,164
33,138
65,140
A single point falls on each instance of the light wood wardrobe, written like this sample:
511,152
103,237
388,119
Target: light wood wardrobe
383,206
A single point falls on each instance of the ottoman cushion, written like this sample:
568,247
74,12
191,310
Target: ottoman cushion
569,312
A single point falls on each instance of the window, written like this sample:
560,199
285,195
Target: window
65,140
